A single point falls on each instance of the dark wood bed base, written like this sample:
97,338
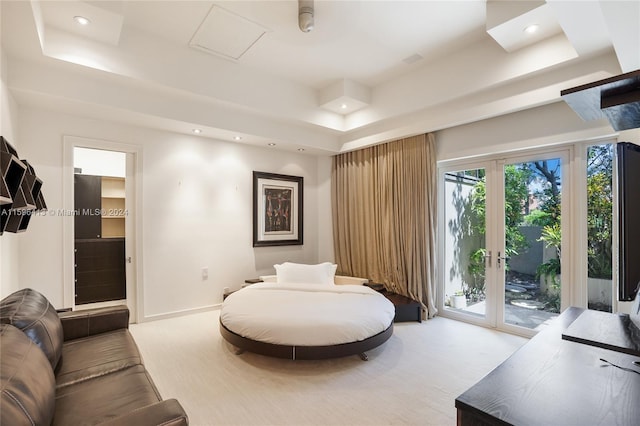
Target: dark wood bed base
306,352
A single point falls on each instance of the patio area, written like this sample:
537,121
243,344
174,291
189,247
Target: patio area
524,305
534,319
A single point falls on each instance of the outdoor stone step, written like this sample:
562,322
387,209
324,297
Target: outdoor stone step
529,304
528,286
515,288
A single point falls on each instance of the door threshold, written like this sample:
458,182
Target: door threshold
106,304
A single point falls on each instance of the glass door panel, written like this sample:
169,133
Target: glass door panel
501,234
465,246
530,255
600,227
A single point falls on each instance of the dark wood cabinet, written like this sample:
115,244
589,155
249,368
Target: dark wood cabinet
87,205
100,270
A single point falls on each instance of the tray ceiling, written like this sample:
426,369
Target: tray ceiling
369,71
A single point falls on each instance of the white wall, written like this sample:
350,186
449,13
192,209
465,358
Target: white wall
547,125
8,129
458,246
325,221
197,210
197,199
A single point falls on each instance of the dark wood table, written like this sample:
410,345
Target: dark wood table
551,381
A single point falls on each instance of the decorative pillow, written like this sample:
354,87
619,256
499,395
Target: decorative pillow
32,313
297,273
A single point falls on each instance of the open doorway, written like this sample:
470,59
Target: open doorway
111,172
99,227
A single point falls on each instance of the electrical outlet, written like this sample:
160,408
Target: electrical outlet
205,273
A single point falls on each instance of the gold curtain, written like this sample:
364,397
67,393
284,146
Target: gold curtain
384,216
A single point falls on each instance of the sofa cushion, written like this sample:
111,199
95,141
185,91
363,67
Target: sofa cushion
95,356
26,377
104,398
32,313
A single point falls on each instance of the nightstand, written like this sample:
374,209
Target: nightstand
406,309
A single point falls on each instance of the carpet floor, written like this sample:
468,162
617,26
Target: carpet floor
412,379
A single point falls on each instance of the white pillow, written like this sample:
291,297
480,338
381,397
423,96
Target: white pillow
297,273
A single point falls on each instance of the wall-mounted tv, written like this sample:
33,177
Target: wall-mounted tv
628,162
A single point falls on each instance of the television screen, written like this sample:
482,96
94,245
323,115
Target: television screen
634,316
628,163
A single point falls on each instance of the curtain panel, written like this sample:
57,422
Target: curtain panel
384,216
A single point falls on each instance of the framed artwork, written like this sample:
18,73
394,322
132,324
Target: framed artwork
277,209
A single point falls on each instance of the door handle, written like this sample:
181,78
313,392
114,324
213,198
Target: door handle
500,259
487,259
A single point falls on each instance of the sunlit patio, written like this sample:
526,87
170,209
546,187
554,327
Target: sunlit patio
534,319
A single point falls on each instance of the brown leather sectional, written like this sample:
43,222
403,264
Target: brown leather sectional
74,368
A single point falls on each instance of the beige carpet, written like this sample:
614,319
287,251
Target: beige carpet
412,379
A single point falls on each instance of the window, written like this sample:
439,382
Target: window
600,227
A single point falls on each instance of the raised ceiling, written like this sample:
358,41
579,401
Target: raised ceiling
370,71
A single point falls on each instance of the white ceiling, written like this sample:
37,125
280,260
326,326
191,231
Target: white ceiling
401,67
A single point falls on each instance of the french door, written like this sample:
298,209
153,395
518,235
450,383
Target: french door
501,233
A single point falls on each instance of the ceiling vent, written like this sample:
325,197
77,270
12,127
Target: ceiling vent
223,33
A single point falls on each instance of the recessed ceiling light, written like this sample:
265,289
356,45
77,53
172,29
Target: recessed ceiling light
271,144
343,106
237,138
530,29
197,131
81,20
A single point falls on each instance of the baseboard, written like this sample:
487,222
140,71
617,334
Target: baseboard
180,313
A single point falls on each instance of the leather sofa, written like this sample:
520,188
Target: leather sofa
74,368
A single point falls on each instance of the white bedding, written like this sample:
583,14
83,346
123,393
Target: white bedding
306,314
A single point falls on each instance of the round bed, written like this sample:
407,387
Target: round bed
306,320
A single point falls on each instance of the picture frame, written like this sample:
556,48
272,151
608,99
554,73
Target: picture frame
277,209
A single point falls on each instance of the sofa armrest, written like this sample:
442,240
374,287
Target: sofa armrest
84,323
166,413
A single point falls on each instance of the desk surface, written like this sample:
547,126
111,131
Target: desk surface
604,330
550,381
